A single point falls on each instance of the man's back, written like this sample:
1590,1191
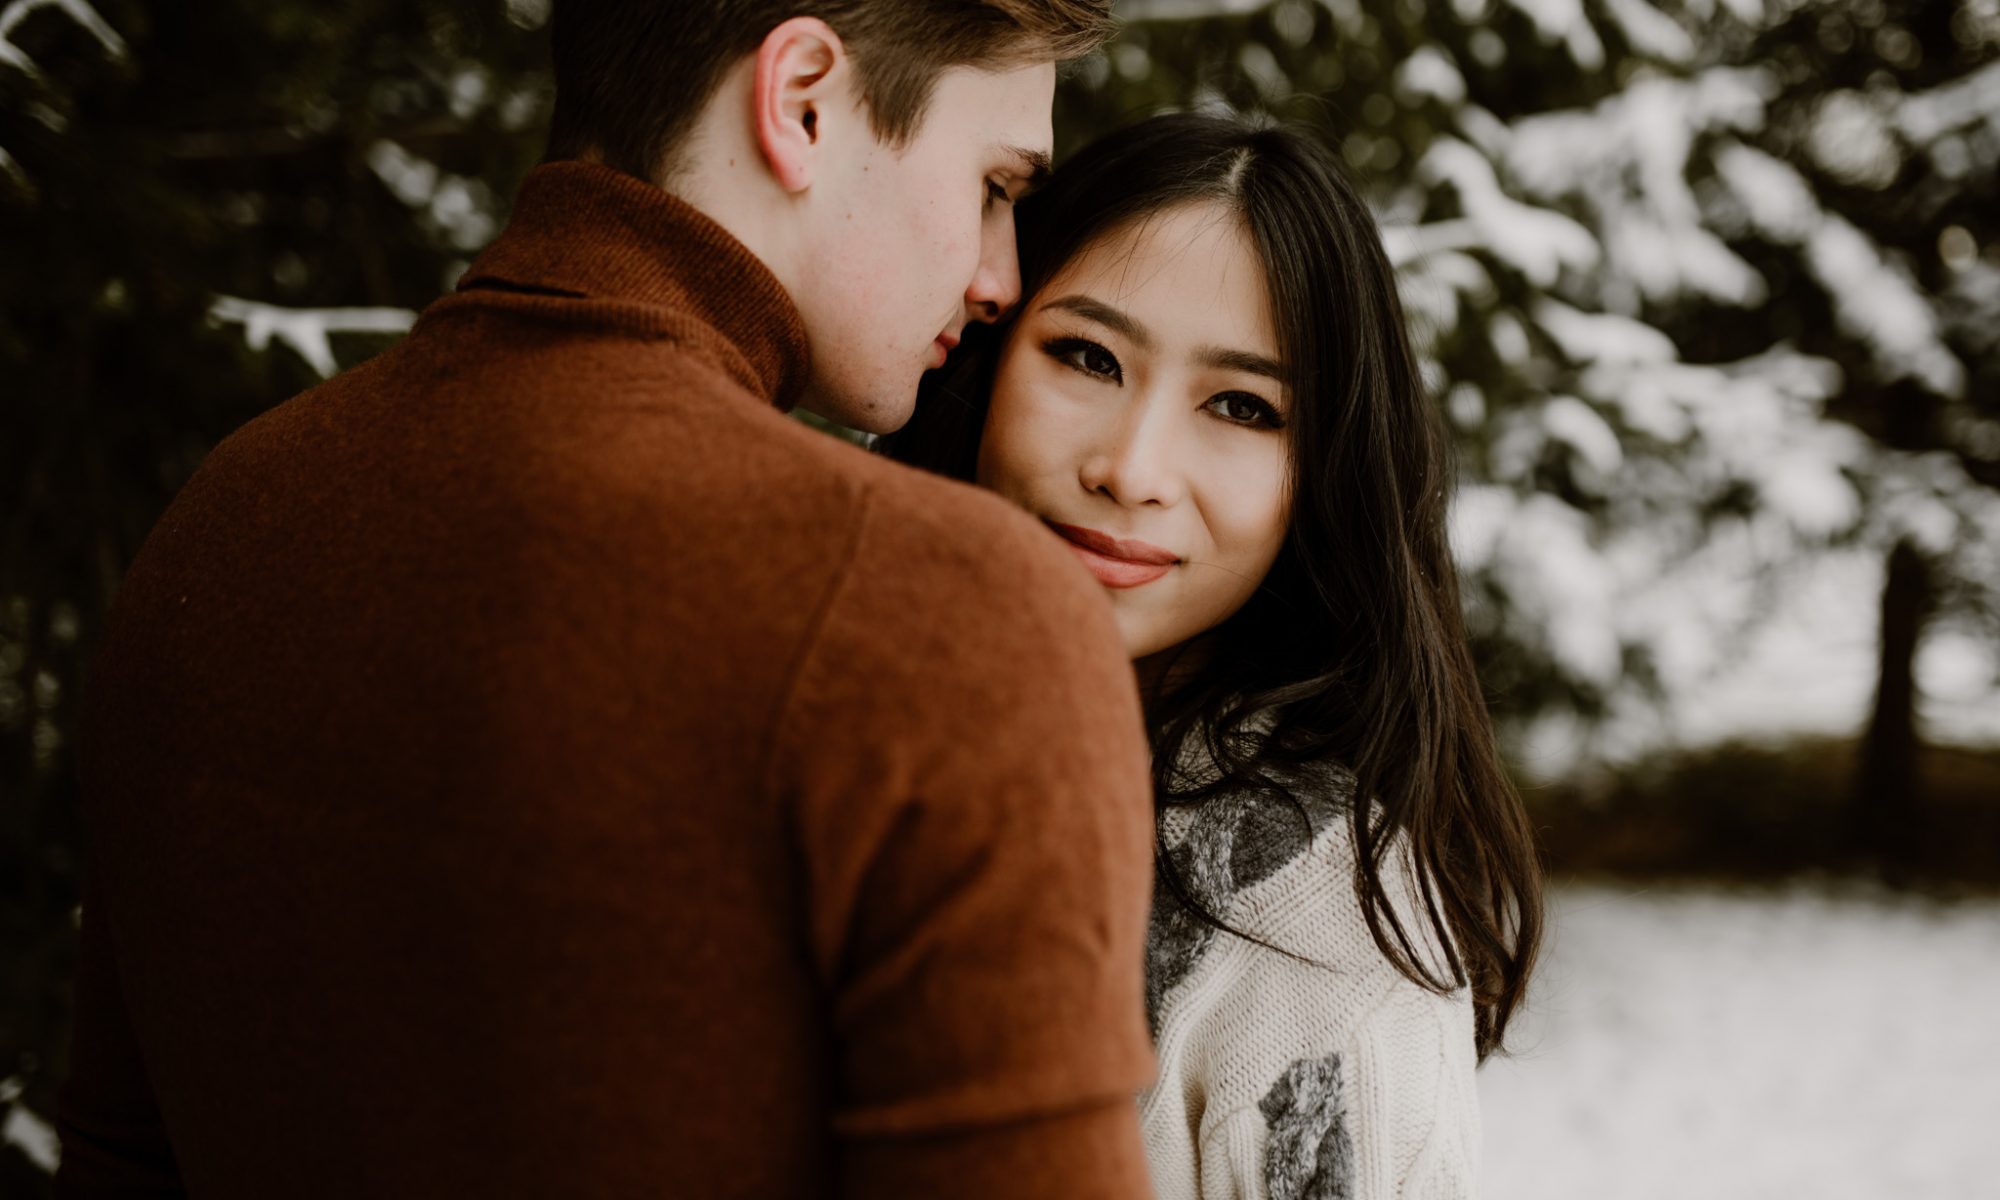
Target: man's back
530,763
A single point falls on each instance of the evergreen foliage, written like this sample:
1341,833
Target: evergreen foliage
1706,286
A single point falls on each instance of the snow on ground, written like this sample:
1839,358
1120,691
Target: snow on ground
1831,1041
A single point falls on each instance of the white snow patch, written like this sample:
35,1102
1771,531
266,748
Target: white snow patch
1971,100
1538,242
1575,424
1744,410
1927,498
1429,73
1651,32
411,179
1627,159
1850,137
457,207
1808,668
1805,663
1777,198
1877,302
1509,339
1649,128
1479,514
1810,492
1262,67
77,10
1874,299
1603,337
529,14
1667,261
25,1131
1564,21
1544,558
1833,1042
308,331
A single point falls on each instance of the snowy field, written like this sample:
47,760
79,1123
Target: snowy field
1830,1042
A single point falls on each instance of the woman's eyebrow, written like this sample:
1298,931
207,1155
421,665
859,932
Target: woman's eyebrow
1105,315
1214,357
1240,360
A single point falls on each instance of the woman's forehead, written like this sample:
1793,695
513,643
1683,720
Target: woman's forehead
1186,276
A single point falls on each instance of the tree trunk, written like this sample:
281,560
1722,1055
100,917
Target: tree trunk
1889,809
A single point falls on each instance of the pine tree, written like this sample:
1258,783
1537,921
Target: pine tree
1888,116
1703,285
174,177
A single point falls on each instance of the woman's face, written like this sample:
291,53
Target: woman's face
1139,410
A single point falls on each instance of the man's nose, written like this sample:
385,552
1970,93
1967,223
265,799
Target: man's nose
996,285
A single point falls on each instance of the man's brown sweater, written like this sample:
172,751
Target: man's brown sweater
531,764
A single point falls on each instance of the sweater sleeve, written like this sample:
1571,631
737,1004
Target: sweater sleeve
1391,1115
964,759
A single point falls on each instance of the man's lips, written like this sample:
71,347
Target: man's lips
1117,562
941,347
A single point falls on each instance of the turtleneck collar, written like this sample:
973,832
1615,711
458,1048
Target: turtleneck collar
585,230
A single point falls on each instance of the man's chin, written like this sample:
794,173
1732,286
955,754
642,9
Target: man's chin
859,416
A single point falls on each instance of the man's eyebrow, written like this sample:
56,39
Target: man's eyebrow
1035,165
1105,315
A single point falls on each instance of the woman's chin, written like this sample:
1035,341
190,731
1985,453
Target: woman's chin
1140,643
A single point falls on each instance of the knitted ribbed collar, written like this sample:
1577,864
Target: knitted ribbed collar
585,230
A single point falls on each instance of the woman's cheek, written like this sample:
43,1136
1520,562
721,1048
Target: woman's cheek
989,469
1258,511
1027,434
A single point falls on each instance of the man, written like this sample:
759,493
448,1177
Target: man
531,764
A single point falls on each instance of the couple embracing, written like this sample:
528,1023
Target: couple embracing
532,764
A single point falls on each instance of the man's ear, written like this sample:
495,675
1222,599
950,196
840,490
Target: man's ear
801,67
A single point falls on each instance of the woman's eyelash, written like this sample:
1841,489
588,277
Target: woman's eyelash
1267,417
996,194
1073,353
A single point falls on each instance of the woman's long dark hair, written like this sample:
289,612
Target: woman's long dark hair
1354,651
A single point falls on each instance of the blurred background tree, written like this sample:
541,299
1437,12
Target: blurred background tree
1710,290
174,177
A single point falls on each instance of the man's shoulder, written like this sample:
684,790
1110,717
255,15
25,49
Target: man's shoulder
953,600
967,542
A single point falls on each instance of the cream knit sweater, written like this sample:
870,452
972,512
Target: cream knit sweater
1290,1080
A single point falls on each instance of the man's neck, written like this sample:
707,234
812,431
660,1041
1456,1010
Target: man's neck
718,170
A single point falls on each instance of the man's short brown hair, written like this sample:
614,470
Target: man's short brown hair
631,75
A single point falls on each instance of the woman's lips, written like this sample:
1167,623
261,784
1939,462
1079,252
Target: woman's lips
1117,562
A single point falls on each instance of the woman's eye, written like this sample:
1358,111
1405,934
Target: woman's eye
1246,409
1086,356
995,194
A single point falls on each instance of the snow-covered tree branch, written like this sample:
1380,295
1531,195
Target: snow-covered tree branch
77,10
11,55
308,331
1618,223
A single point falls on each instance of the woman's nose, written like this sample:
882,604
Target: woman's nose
1136,461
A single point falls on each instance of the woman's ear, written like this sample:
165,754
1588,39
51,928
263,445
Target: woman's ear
801,73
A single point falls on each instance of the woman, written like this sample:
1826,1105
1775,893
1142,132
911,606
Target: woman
1208,392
